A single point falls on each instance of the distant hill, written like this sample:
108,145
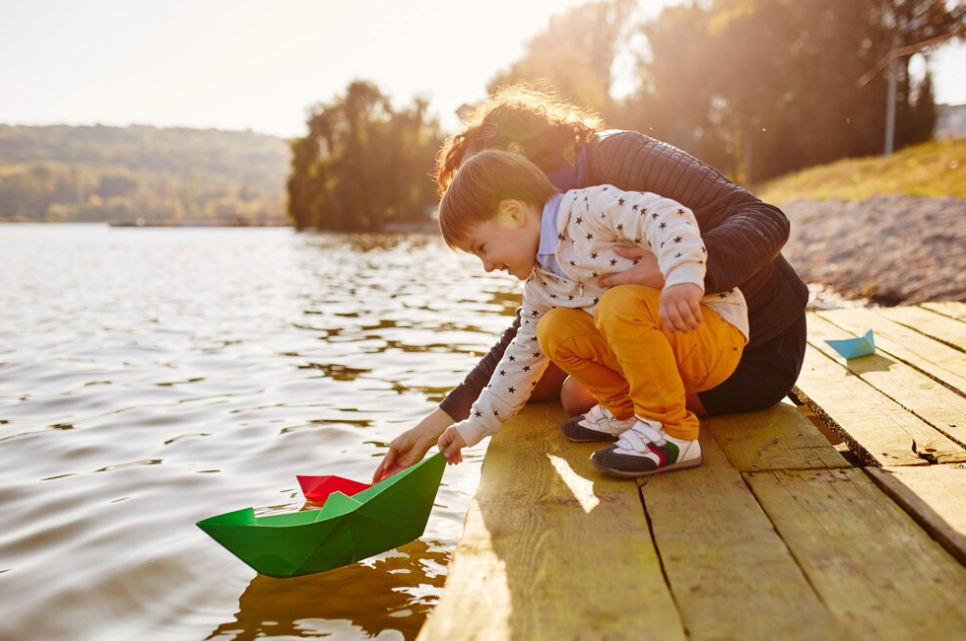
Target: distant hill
71,174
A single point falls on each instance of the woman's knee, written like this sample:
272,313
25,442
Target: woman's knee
628,302
575,398
555,327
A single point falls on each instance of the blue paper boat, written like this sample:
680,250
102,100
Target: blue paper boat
851,348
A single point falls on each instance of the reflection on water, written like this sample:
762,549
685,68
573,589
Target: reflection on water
152,378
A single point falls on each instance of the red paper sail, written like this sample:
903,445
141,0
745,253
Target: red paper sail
318,488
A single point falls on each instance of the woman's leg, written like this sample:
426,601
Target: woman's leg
764,376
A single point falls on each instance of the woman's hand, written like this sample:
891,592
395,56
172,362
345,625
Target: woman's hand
680,307
451,443
411,446
645,272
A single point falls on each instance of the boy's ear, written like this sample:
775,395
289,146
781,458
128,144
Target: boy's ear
513,211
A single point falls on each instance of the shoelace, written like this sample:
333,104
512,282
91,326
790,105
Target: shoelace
638,437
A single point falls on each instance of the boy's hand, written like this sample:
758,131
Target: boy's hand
681,308
450,443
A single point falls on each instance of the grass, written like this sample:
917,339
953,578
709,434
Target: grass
936,168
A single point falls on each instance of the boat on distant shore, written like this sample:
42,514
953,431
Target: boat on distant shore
238,222
347,529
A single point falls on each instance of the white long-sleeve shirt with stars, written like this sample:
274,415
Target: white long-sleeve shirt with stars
591,222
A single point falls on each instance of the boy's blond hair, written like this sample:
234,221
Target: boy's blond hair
481,184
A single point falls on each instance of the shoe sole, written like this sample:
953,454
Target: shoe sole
661,470
604,438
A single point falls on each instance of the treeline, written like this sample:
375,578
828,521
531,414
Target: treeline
90,174
757,88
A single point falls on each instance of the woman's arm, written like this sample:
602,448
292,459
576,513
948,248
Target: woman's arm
459,401
741,232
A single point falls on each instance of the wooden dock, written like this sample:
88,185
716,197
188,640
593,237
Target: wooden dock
776,536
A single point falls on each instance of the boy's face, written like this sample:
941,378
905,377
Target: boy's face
509,241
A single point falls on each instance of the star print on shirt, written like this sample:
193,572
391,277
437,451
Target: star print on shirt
613,261
620,201
590,236
478,413
512,390
635,207
580,220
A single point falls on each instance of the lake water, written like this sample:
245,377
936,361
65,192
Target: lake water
152,378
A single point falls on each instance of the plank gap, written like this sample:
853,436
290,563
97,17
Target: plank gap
745,476
660,561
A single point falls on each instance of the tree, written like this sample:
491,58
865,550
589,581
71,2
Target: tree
763,87
363,164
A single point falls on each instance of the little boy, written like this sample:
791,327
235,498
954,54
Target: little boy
636,349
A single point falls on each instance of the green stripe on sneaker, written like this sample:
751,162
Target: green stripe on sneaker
672,451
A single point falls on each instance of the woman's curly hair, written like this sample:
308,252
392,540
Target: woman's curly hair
543,125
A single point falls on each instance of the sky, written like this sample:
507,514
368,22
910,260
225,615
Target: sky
259,65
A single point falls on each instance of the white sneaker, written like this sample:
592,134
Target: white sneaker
596,425
647,449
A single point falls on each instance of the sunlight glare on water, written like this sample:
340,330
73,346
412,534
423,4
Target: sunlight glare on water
150,378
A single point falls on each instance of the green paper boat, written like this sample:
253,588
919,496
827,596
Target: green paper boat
347,528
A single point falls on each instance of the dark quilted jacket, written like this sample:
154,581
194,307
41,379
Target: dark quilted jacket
743,235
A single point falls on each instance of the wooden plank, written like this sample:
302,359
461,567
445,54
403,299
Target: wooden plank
955,310
732,575
873,566
924,321
943,409
551,549
936,359
934,496
778,438
877,429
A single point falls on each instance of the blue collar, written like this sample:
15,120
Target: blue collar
546,249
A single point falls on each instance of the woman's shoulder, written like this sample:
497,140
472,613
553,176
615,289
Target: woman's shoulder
619,142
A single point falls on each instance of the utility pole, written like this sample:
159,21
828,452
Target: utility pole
892,61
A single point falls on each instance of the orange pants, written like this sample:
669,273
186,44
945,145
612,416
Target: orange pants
632,365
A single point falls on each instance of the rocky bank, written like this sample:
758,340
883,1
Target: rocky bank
890,250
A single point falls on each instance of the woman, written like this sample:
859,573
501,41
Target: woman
743,236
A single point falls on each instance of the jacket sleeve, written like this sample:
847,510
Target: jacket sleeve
741,233
513,379
458,402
